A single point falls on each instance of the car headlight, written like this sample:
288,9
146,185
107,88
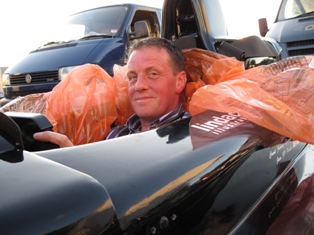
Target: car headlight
63,72
6,79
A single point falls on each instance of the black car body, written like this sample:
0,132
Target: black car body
172,180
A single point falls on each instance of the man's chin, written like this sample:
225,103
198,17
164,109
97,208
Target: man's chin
144,108
145,113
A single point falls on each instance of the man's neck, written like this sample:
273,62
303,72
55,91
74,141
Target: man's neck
145,125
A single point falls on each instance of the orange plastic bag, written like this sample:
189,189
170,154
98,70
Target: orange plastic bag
279,97
206,67
83,106
123,104
33,103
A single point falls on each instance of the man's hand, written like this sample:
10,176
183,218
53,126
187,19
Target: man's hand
53,137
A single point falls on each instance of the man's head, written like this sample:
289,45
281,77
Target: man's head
156,78
176,55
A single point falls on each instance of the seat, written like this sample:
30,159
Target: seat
186,42
141,29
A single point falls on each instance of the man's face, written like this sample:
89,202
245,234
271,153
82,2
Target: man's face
153,88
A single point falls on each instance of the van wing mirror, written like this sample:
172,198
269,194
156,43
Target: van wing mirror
141,30
263,26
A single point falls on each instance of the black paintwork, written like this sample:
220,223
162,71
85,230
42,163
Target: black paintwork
156,182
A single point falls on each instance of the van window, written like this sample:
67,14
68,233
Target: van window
103,21
151,18
295,8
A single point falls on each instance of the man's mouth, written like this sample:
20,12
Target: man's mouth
142,99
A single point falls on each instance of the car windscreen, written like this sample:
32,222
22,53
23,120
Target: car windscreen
104,21
295,8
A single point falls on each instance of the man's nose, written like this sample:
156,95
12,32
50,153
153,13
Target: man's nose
141,83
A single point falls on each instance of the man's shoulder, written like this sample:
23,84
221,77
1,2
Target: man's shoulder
186,115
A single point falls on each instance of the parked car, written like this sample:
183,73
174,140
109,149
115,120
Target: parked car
293,28
172,180
101,36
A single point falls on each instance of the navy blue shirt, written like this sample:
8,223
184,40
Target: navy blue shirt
133,125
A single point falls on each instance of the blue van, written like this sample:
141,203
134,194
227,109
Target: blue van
101,36
293,28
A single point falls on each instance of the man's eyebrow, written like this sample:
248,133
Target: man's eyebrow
145,69
157,68
130,71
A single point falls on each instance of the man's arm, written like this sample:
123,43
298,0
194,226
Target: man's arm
53,137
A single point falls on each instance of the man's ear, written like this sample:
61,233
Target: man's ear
181,81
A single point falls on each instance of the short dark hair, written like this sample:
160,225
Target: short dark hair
176,55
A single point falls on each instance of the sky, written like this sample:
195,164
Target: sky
23,23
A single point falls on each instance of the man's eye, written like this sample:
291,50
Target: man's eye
153,74
132,78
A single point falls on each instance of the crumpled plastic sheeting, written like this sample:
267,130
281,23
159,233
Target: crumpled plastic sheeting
123,104
84,105
206,67
278,96
33,103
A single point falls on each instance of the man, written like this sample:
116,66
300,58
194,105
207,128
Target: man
156,74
